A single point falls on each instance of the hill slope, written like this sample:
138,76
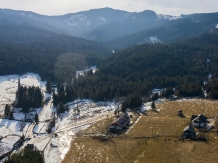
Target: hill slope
144,67
179,29
96,24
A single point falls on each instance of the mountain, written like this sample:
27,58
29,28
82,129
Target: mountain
176,30
96,24
126,24
141,68
24,48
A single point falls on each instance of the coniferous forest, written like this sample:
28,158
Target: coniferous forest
28,97
183,65
26,156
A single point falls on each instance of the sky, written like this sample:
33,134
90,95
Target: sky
60,7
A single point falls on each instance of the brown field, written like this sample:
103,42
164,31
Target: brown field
136,147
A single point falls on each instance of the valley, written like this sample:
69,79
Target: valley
66,125
155,137
108,85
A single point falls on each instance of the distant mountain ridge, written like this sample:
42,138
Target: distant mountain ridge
96,24
115,28
189,26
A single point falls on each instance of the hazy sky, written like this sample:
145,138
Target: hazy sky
59,7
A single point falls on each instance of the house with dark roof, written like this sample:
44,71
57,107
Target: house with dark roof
30,146
199,121
120,123
189,132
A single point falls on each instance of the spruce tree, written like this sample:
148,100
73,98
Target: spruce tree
153,105
7,110
36,118
48,86
11,115
61,108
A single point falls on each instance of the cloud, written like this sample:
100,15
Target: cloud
57,7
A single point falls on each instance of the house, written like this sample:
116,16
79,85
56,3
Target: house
199,121
120,123
180,113
29,146
173,97
189,132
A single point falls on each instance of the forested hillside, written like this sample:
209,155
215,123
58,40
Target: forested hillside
144,67
42,55
188,26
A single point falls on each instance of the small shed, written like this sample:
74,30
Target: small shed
189,132
199,121
29,146
180,113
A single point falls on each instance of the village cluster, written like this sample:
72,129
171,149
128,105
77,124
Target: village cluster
22,131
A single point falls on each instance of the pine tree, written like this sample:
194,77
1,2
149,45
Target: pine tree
11,115
124,107
7,110
153,105
61,108
48,86
36,118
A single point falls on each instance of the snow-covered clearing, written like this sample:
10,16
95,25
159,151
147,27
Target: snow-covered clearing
66,126
7,143
82,72
9,84
18,115
40,128
9,127
145,107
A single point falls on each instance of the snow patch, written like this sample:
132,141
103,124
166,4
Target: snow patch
217,26
154,39
82,72
102,18
169,17
145,107
76,20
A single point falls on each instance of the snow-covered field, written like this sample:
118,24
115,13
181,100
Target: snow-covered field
9,127
9,84
10,132
40,128
66,126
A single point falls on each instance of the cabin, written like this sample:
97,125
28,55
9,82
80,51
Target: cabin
199,121
189,132
180,113
120,123
173,97
29,146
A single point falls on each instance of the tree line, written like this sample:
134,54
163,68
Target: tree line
182,65
28,97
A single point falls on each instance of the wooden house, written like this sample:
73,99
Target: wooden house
120,123
189,132
199,121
